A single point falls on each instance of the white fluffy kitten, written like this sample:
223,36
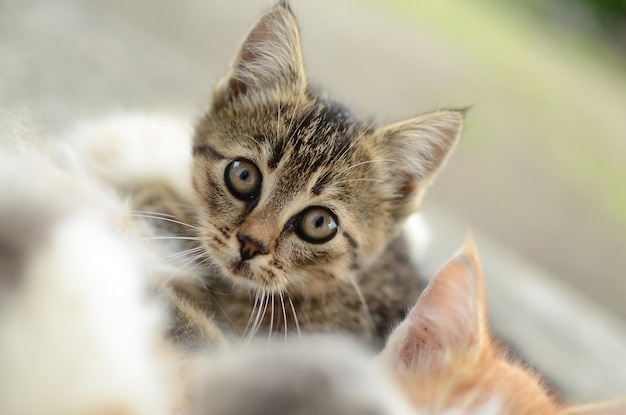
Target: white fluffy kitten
77,332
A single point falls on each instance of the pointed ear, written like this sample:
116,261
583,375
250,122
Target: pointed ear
413,151
449,318
270,59
616,407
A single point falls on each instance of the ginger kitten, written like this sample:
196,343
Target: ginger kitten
444,358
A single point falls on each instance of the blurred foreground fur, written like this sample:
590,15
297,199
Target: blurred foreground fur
78,331
441,358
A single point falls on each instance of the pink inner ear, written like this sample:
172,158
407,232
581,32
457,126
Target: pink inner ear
408,188
448,317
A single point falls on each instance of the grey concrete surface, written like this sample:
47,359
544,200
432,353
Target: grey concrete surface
69,60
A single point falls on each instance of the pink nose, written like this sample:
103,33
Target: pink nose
249,247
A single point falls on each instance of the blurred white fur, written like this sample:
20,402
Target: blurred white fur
78,334
135,149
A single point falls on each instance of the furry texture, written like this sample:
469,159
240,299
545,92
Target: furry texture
244,262
311,151
78,334
308,152
319,375
443,355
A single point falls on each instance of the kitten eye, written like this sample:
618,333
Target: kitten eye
316,225
243,179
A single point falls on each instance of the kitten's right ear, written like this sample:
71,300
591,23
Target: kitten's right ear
269,60
449,318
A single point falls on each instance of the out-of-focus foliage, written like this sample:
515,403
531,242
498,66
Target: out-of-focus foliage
604,17
613,11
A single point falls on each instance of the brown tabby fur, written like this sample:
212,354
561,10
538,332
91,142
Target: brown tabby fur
310,151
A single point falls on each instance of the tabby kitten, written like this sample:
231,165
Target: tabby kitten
291,207
300,203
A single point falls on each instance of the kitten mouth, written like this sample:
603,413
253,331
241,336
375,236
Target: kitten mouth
241,269
241,273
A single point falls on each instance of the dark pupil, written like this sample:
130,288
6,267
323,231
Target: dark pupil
319,222
244,175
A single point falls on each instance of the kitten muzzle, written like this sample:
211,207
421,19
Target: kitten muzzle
249,247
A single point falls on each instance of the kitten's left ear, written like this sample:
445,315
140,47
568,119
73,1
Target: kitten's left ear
616,407
413,152
269,59
449,318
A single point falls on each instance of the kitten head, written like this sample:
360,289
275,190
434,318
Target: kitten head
295,191
443,355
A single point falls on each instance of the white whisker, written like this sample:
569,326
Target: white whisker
194,262
258,319
183,253
269,336
282,304
147,212
295,316
293,115
261,315
165,219
366,309
176,237
256,300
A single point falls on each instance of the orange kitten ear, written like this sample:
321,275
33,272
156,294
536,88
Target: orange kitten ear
270,59
449,317
413,151
616,407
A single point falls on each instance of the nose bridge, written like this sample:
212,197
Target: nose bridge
264,222
261,225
